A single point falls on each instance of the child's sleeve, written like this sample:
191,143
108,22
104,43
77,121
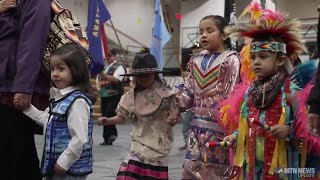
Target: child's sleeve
185,94
229,75
78,120
40,117
124,111
174,112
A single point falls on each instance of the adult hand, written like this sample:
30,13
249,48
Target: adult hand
58,170
313,124
280,131
22,101
7,4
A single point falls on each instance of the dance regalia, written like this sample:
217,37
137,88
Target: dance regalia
259,155
218,72
258,152
152,135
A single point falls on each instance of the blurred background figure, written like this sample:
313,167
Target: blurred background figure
111,84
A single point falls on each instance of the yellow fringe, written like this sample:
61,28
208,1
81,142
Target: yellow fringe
240,149
279,159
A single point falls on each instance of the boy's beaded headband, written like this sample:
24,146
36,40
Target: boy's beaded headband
268,46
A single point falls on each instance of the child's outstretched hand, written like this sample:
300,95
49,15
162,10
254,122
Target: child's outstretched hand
231,138
280,131
103,120
313,124
58,170
173,119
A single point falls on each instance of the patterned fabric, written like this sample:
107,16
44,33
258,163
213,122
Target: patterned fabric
268,88
204,80
261,162
268,46
135,167
220,75
64,28
272,116
149,111
205,77
58,137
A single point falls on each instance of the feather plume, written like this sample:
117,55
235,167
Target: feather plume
300,125
246,73
268,23
304,73
255,11
230,108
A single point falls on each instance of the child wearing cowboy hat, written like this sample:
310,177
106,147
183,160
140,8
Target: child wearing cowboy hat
152,108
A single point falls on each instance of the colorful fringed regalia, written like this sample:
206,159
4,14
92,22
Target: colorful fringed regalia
257,105
215,73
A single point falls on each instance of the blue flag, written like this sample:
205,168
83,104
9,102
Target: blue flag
97,16
160,35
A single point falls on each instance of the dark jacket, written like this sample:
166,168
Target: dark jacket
314,97
23,35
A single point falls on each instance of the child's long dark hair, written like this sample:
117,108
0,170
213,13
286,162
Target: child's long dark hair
76,58
221,24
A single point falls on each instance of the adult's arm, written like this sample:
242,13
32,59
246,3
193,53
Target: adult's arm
34,25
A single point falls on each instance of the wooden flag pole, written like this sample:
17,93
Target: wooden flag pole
173,42
118,39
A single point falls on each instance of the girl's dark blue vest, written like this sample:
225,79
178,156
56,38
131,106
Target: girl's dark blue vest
58,137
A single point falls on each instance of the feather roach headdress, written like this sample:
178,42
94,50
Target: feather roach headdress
267,24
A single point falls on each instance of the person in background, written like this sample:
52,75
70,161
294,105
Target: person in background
24,28
313,121
111,91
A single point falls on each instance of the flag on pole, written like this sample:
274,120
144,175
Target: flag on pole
104,42
160,34
97,16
